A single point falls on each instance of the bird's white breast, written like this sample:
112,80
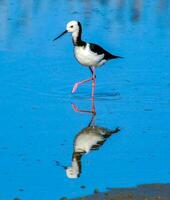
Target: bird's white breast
86,57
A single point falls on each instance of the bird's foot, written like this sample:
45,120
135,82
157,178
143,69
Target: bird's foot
75,88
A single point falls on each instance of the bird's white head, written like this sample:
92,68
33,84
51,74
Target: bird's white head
72,26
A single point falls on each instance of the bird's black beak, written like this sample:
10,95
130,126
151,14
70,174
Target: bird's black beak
61,35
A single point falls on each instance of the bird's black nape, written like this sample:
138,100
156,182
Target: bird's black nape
79,42
80,28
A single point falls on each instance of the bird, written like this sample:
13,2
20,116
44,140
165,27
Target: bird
87,54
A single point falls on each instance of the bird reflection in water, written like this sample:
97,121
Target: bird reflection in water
90,138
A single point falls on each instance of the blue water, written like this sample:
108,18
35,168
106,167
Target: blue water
37,122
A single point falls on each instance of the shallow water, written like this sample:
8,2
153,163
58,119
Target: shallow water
38,124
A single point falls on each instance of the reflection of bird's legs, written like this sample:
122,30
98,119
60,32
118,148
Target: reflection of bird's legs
92,111
75,108
93,120
93,107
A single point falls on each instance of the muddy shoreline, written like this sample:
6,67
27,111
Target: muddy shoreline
141,192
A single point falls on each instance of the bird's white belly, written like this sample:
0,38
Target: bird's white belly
86,57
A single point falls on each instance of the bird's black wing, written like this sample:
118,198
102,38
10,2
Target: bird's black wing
99,50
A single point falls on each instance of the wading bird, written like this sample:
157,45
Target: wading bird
88,54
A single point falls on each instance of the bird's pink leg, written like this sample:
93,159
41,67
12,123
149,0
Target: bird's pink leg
79,83
93,82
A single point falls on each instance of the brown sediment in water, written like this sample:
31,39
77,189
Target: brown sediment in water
141,192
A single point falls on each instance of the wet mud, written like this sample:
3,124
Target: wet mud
141,192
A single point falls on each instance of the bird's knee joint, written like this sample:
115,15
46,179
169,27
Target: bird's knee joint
94,77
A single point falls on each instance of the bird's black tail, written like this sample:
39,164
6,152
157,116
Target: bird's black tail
115,57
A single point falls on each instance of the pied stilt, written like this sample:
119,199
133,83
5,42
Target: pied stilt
87,54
